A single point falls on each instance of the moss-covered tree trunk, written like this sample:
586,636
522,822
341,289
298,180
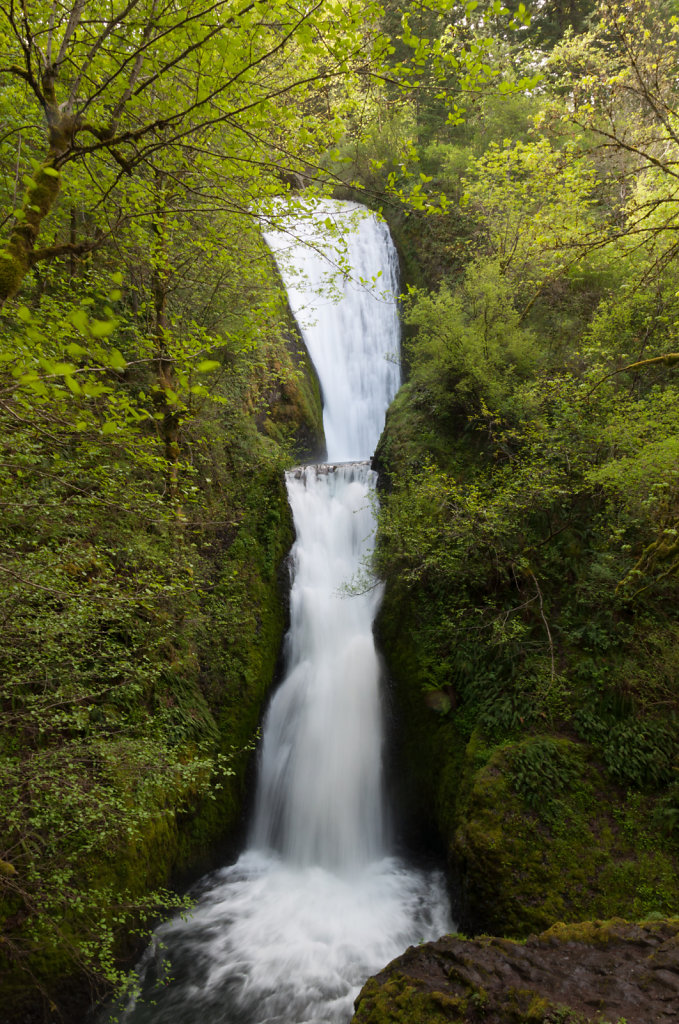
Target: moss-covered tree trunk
20,253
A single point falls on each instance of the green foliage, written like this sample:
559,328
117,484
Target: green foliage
542,770
124,571
469,344
586,850
529,514
533,202
642,754
149,399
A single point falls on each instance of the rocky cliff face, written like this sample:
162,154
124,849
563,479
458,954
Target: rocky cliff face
605,972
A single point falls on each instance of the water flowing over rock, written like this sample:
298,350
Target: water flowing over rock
320,796
317,902
354,342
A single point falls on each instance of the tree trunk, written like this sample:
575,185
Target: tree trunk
169,425
17,258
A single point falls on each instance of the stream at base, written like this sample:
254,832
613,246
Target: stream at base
317,902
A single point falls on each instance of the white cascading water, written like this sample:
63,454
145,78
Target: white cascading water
317,902
354,342
319,799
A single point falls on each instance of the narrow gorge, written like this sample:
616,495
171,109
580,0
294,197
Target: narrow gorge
318,900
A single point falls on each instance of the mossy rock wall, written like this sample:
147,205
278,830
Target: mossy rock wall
212,673
534,829
538,823
296,407
218,682
238,656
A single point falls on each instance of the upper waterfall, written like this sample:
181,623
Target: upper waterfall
341,251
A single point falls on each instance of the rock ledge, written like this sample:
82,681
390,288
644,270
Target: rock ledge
611,971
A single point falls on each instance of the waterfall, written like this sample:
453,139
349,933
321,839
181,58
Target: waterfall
319,799
342,293
317,902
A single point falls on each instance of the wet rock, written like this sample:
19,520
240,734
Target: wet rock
600,972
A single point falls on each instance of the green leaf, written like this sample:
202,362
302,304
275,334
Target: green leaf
79,320
117,360
206,365
102,328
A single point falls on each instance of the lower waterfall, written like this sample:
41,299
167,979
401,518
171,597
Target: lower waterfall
319,799
318,901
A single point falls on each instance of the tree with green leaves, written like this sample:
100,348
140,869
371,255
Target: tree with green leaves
623,104
222,97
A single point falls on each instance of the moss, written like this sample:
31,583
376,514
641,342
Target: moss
526,777
238,653
540,745
209,682
525,850
297,415
15,261
13,269
216,693
430,746
521,872
294,408
596,933
398,1001
566,975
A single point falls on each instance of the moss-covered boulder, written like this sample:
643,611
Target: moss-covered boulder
543,836
534,827
605,972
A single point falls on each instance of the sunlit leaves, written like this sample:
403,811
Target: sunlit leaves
533,201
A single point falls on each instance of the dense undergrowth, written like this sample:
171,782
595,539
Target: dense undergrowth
530,492
142,616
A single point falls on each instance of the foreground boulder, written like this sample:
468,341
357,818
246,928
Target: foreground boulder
605,972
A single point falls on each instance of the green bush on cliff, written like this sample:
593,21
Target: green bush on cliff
530,508
520,544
